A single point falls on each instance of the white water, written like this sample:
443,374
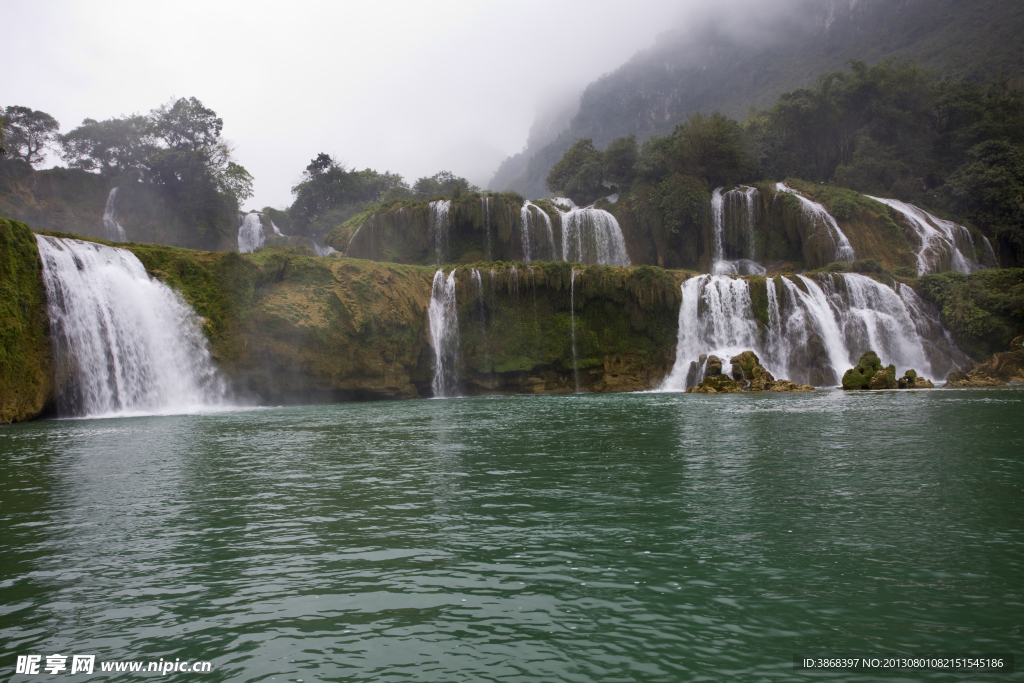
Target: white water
820,218
123,343
444,334
942,242
251,235
439,227
531,223
592,235
741,266
572,328
111,228
486,202
813,336
563,202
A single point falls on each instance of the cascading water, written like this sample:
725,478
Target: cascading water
945,245
251,235
478,291
513,285
572,328
820,218
733,200
111,228
444,334
486,202
592,235
817,328
439,227
123,343
531,242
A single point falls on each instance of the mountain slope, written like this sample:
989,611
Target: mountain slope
739,63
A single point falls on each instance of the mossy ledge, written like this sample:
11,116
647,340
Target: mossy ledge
287,327
26,378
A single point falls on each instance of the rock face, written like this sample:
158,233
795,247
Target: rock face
747,375
1007,366
910,380
974,379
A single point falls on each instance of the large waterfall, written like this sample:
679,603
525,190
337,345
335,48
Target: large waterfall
251,235
592,235
123,343
945,245
816,328
741,220
538,238
822,220
444,334
439,228
111,228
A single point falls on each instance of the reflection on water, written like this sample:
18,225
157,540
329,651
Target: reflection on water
650,537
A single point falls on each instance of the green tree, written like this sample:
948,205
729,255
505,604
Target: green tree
578,173
117,147
29,132
620,161
712,147
443,184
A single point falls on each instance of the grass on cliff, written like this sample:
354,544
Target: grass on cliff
25,371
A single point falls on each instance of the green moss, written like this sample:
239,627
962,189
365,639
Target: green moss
983,310
25,369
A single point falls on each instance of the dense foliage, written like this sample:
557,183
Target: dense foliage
891,129
175,158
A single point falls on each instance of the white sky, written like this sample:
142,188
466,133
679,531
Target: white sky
410,87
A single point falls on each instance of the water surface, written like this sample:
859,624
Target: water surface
644,537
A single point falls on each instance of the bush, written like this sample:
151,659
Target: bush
868,265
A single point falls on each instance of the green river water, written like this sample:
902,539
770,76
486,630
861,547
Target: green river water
636,537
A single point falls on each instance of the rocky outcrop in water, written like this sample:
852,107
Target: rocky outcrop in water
910,380
748,375
871,374
975,379
714,381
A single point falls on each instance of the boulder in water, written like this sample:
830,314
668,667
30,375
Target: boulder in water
714,367
716,384
785,385
884,379
867,368
1006,365
910,380
747,368
976,378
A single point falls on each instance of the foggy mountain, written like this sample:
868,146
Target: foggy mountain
752,53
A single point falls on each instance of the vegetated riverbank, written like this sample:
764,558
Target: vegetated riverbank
287,327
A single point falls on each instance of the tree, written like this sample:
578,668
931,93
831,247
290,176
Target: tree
620,161
443,184
580,155
117,147
712,147
28,133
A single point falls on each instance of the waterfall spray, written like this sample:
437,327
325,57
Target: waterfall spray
444,333
123,343
572,328
438,224
111,228
593,236
943,243
251,235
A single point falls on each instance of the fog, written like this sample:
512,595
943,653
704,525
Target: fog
409,87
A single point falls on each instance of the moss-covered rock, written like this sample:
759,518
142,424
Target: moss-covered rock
884,379
716,384
784,385
910,380
867,368
974,379
26,378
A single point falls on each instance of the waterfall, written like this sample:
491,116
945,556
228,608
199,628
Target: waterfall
486,201
444,334
734,199
572,328
111,228
438,224
817,328
593,236
942,242
820,218
988,257
123,343
251,235
513,285
478,291
528,220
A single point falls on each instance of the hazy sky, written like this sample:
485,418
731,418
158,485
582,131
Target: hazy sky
410,87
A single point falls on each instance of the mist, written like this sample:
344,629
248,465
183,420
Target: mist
407,87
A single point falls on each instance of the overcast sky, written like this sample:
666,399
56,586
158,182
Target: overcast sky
410,87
